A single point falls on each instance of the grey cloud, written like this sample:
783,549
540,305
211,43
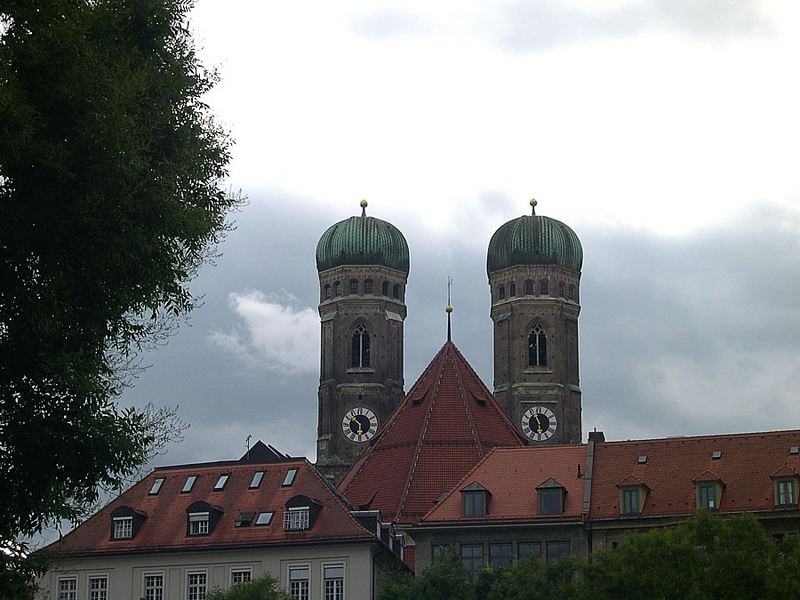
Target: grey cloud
390,23
521,26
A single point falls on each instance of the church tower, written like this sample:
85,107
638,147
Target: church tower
534,267
363,268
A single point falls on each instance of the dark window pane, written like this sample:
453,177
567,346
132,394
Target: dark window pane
354,286
327,293
708,496
472,558
561,289
529,287
337,289
396,291
544,288
542,347
556,549
500,554
385,288
501,292
368,286
474,503
630,501
512,290
550,501
537,348
526,548
572,292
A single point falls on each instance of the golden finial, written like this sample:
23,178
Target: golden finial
364,205
448,308
533,204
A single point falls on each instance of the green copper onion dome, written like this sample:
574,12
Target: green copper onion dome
362,241
534,240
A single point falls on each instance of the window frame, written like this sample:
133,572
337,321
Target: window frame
360,348
504,561
232,570
97,577
297,518
73,591
254,485
117,521
162,588
546,494
474,503
289,477
196,521
323,591
501,292
189,573
625,507
221,482
779,495
297,567
537,543
476,562
530,287
552,543
158,483
369,286
544,287
512,290
537,347
702,489
270,514
353,287
189,484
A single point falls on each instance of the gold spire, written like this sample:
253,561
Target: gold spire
364,205
533,204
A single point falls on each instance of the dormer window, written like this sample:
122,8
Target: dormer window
551,497
188,484
123,528
159,481
125,522
786,485
199,523
474,500
708,489
632,493
201,518
296,519
223,479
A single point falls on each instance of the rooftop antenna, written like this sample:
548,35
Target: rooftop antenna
449,309
247,443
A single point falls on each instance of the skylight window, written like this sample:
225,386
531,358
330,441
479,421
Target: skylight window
187,487
156,486
256,481
264,518
290,475
642,459
794,450
223,479
245,519
716,455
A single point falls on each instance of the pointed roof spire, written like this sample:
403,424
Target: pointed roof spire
449,309
364,205
446,423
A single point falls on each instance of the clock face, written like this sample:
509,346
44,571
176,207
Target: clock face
359,424
539,423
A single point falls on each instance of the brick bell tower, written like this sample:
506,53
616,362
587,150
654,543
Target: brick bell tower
363,267
534,267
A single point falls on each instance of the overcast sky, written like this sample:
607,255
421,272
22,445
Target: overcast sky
666,133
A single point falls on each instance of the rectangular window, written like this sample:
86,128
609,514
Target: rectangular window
299,582
123,528
526,548
368,286
239,576
68,588
196,586
550,501
708,496
786,496
198,523
500,554
156,486
296,518
557,549
474,503
256,481
354,286
264,518
98,587
223,479
289,477
472,558
333,582
187,486
153,586
630,501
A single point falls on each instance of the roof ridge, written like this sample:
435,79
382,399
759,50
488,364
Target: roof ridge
468,410
341,498
707,436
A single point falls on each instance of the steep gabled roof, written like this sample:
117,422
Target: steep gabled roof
446,423
744,466
513,476
164,526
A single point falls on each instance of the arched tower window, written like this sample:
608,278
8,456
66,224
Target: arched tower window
512,290
385,288
544,288
537,348
337,288
572,292
368,286
529,287
560,289
360,348
501,292
354,286
396,291
326,292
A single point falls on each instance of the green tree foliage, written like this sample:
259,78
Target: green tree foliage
263,588
708,557
111,197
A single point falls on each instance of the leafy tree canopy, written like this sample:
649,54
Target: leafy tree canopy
111,197
263,588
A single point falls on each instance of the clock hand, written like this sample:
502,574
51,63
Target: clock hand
360,431
538,424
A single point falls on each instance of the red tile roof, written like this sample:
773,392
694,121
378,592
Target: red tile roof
165,527
511,475
745,466
438,432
